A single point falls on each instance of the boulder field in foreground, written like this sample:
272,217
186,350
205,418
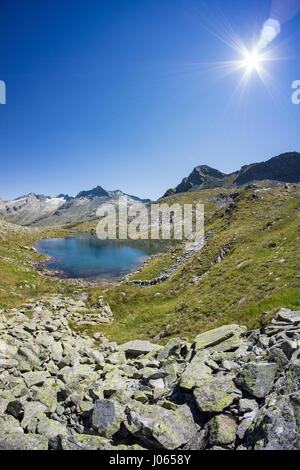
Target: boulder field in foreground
230,389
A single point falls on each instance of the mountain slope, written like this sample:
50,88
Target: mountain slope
283,168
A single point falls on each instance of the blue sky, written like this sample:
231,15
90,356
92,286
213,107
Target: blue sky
122,93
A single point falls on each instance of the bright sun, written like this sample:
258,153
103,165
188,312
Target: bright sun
252,60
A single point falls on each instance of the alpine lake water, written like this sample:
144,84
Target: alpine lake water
86,256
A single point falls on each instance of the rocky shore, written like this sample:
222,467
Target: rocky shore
229,389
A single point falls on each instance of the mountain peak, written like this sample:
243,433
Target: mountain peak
95,192
202,177
282,168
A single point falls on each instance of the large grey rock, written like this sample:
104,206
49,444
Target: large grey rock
84,442
257,378
196,371
277,425
231,335
9,424
18,441
52,430
35,378
138,347
107,417
172,348
33,411
288,316
161,428
222,430
215,393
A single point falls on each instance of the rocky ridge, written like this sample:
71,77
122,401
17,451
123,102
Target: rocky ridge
283,168
229,389
45,211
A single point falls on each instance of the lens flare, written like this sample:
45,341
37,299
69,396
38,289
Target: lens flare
270,31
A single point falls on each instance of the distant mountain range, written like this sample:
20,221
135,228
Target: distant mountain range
283,168
40,210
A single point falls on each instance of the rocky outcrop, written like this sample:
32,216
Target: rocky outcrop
202,177
285,167
229,389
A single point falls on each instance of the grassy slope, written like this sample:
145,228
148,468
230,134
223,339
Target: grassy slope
18,280
247,293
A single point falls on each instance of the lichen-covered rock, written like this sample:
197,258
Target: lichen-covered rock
107,417
84,442
196,371
215,393
137,348
33,411
222,430
159,427
172,348
18,441
48,396
277,424
257,378
227,390
214,338
35,378
52,430
8,424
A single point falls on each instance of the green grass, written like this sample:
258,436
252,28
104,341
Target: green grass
19,281
249,294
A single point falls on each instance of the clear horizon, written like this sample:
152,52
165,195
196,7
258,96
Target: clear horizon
133,95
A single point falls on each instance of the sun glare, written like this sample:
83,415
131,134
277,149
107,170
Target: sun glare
252,60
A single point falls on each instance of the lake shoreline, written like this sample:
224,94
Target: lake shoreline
100,282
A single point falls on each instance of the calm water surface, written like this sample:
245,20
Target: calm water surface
85,256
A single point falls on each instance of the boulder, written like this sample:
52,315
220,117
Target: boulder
161,428
288,316
84,442
107,417
212,339
137,348
9,424
257,378
215,393
222,430
35,378
18,441
52,430
196,371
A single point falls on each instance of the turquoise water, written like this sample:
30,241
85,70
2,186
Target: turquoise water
85,256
